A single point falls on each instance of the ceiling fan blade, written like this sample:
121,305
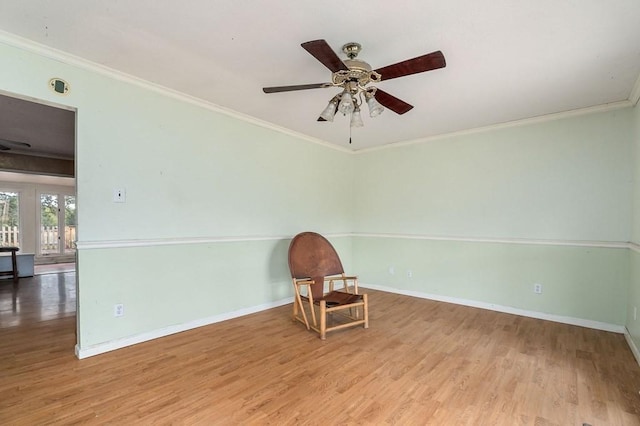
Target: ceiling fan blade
292,88
15,143
394,104
428,62
321,50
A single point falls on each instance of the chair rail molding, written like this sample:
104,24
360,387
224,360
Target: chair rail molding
524,241
108,244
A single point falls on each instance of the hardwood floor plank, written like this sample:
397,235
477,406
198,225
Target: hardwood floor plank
421,362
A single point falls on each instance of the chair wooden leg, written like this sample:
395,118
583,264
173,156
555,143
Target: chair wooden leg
295,306
323,319
298,306
366,310
313,311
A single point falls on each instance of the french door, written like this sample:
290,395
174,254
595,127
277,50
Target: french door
57,224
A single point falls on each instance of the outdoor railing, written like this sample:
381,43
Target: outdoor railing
49,242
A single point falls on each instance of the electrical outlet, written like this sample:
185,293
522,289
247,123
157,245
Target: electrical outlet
537,288
118,310
409,273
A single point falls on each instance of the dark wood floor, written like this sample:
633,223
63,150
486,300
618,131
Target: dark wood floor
421,362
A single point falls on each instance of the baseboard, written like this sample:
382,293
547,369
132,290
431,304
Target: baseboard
597,325
101,348
155,334
632,345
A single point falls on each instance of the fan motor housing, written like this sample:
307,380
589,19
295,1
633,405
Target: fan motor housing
357,64
359,71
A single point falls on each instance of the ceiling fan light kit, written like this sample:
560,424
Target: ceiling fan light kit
375,109
354,76
330,111
346,105
356,118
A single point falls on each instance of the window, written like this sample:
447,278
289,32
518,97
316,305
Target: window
49,238
69,224
57,225
9,219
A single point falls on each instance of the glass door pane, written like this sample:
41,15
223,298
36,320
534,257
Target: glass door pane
69,223
9,220
49,241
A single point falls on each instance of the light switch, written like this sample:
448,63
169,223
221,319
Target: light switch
119,195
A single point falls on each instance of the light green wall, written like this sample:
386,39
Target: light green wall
168,285
635,129
633,298
566,179
577,282
189,173
561,180
192,173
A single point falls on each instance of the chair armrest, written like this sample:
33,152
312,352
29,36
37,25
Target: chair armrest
330,280
340,278
345,280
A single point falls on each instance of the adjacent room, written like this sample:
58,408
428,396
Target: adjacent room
487,196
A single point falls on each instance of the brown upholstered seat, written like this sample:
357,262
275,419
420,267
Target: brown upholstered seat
313,262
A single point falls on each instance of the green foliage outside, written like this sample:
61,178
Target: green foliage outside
9,209
49,212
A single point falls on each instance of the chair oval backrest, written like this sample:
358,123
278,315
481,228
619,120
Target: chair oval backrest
311,255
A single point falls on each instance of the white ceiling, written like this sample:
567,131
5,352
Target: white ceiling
506,59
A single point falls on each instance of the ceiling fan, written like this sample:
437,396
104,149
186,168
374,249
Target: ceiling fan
7,145
354,77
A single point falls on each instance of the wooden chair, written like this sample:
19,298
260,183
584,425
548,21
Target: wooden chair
313,262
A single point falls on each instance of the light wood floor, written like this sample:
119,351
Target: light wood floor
421,362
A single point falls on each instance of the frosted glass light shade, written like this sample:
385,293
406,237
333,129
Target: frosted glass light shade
375,109
356,119
346,104
329,112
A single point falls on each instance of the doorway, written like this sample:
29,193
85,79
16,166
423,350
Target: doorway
37,178
37,159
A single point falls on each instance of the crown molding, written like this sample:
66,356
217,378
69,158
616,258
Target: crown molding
516,123
22,43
